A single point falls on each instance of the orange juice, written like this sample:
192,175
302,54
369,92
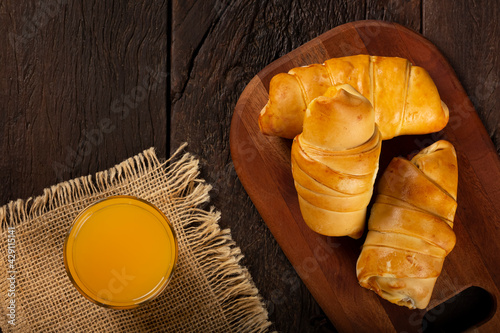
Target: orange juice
120,252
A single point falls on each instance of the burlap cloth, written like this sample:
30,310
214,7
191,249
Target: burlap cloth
209,292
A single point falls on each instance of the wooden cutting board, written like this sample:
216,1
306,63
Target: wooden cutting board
326,264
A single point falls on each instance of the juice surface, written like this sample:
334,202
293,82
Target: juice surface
120,252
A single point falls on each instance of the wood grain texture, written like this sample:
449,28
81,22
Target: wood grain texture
72,66
468,37
326,264
83,87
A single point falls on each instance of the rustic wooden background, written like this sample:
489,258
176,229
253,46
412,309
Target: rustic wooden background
86,84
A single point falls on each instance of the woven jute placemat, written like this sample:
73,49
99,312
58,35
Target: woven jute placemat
210,290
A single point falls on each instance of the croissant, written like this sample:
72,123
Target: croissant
411,227
335,162
405,99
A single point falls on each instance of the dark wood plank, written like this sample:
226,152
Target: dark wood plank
332,282
469,36
83,86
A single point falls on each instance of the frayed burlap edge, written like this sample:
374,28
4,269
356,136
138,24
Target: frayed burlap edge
220,258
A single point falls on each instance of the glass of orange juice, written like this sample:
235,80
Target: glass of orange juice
120,252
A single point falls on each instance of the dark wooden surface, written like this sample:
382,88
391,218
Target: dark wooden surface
84,85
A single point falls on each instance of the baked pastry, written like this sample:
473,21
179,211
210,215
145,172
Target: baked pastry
335,161
405,99
411,227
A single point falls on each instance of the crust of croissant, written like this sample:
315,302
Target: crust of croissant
409,239
422,193
356,161
387,199
338,181
413,223
283,115
438,163
404,242
424,110
313,184
417,108
410,292
395,262
390,82
335,161
314,80
355,71
340,120
325,201
333,223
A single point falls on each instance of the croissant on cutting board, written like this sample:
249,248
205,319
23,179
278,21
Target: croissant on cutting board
405,99
335,161
410,229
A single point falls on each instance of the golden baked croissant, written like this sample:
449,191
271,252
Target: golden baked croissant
405,99
335,162
410,227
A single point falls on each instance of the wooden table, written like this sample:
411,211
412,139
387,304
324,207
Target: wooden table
84,85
